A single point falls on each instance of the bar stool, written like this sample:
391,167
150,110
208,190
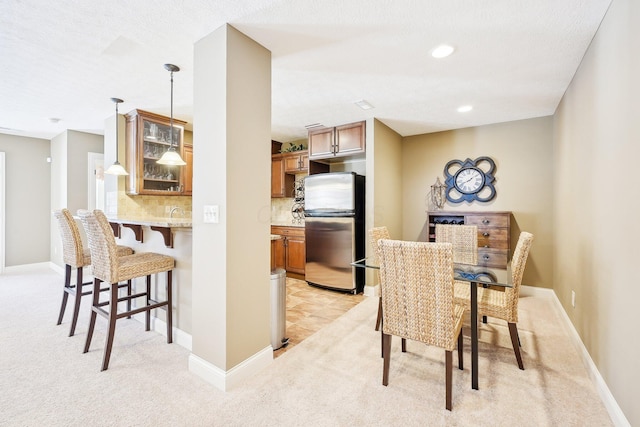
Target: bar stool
109,268
74,255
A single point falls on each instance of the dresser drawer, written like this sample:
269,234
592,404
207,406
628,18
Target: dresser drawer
494,238
487,220
496,258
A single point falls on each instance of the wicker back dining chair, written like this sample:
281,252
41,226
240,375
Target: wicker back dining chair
503,304
375,234
464,239
75,255
109,268
418,300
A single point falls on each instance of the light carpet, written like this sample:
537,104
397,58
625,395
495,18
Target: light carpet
333,378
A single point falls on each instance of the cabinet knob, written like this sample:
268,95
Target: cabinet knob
485,257
486,246
485,234
485,221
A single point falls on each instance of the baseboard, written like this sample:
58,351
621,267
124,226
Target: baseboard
226,380
617,416
180,337
25,268
372,291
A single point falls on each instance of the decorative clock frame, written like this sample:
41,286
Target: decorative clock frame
479,184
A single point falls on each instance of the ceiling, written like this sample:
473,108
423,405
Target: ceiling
513,60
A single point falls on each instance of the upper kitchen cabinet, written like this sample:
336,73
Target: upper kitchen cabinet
339,141
148,137
281,182
296,162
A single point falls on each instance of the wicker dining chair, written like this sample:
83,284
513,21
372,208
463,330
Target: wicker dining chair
375,234
502,304
75,255
418,300
464,239
109,268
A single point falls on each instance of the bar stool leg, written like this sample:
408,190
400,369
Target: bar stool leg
169,307
129,295
92,321
65,292
147,322
76,306
111,327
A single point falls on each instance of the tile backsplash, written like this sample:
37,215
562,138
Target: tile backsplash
281,211
158,206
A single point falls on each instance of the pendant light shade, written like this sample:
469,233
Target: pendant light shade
116,168
171,157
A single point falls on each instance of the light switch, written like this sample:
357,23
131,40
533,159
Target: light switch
212,214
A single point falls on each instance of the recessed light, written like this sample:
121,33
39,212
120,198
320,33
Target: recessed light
365,105
442,51
465,108
54,120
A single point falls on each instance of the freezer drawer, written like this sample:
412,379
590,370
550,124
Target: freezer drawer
330,247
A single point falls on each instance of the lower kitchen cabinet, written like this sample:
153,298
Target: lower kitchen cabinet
290,251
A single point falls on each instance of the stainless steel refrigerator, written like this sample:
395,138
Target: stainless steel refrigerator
334,230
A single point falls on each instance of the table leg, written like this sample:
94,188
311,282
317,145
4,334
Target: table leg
474,335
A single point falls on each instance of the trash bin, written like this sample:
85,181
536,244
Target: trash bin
278,308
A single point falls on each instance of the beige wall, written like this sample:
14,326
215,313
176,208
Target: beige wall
231,262
523,153
597,200
27,199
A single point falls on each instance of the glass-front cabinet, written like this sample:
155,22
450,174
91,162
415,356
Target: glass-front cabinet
148,137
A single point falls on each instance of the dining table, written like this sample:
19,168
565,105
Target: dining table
475,275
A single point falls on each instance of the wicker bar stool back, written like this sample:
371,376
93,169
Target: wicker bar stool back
75,255
375,234
464,239
109,268
417,301
503,304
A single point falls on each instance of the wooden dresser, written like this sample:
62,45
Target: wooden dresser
494,233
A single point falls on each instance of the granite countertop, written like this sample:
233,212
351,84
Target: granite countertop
287,224
156,221
276,237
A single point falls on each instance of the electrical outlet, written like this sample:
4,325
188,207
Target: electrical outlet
573,299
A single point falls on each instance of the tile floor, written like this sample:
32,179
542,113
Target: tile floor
310,308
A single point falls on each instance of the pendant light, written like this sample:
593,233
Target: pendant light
171,157
116,168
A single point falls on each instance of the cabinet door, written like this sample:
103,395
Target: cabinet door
321,143
277,177
148,136
350,139
292,163
296,256
187,170
279,254
304,162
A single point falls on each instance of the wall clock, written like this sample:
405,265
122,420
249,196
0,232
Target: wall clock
470,180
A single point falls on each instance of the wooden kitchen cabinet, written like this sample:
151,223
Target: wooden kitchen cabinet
147,138
296,162
290,251
281,182
187,170
339,141
494,233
